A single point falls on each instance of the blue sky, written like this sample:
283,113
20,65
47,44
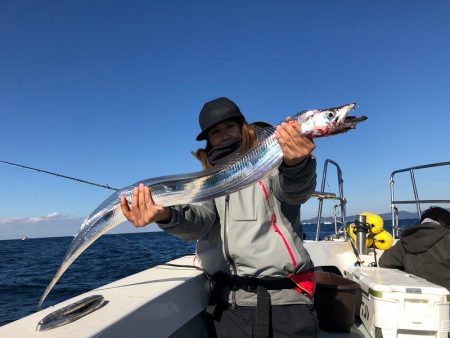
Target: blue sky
110,91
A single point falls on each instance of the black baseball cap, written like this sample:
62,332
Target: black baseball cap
216,111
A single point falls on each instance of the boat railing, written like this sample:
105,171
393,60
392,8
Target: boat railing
322,195
417,201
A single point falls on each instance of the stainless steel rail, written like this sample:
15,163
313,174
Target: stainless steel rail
417,200
322,195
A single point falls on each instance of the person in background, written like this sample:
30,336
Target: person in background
248,242
424,249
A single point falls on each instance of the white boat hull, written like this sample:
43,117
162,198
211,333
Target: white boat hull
156,302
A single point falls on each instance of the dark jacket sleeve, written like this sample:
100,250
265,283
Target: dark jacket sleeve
393,257
294,185
191,221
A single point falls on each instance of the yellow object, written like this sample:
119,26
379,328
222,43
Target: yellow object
352,235
383,240
375,221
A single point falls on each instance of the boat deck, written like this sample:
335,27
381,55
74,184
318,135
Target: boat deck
168,301
147,302
163,301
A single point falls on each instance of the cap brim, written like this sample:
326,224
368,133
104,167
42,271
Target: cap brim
202,136
261,124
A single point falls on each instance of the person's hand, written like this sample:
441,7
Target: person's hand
295,146
142,210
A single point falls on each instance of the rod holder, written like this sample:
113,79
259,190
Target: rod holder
361,234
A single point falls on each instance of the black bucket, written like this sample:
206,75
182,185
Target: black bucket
335,299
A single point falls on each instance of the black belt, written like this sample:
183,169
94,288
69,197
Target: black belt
250,284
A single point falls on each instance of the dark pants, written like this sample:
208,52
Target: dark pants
297,320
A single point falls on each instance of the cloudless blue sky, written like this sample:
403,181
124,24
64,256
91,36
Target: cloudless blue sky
110,91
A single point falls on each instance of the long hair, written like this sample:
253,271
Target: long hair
248,139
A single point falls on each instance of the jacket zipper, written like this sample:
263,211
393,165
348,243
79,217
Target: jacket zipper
275,225
227,251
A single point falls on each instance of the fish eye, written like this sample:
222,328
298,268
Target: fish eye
330,114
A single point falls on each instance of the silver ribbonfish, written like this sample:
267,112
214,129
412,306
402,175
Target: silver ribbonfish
255,164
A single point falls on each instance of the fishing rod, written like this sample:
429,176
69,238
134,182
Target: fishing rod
106,186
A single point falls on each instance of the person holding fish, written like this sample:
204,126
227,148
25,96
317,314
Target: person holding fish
248,242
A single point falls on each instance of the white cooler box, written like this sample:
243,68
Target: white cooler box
397,304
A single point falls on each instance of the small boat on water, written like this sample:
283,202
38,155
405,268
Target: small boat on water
354,297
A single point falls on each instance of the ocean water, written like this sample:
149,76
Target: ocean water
26,267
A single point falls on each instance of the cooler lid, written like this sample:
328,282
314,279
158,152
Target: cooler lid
392,280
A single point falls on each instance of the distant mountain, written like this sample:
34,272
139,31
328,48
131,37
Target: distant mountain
386,217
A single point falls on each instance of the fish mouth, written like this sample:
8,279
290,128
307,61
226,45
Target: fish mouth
351,121
355,119
342,111
348,123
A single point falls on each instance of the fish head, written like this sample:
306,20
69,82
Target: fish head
328,121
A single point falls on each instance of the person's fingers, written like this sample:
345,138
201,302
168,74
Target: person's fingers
135,198
291,128
156,207
141,203
124,206
147,198
284,134
309,142
142,210
295,146
299,141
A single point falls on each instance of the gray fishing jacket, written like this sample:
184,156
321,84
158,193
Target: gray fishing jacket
236,233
